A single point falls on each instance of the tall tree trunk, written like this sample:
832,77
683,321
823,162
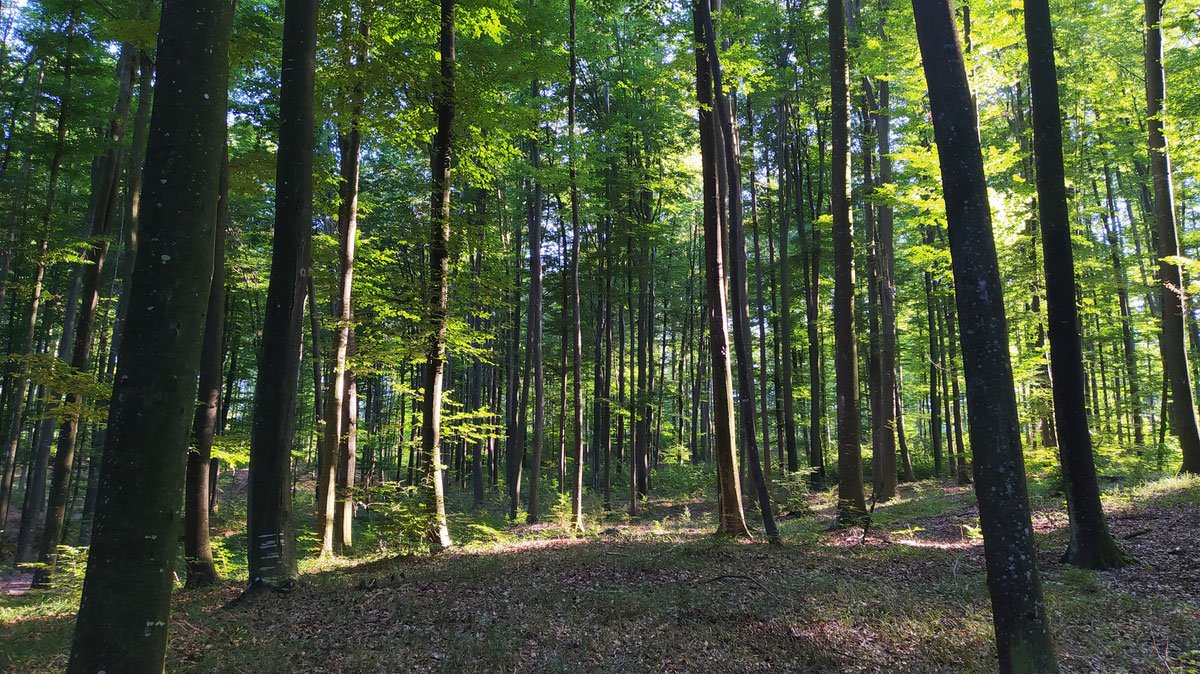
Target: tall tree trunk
887,298
1170,274
349,150
852,508
534,330
731,518
762,318
1091,545
201,569
17,395
102,210
271,530
577,329
124,614
738,281
437,532
1023,637
785,293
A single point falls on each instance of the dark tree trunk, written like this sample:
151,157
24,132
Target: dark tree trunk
201,569
738,281
576,329
271,530
1174,343
1091,545
1023,637
433,496
852,507
102,213
124,613
785,315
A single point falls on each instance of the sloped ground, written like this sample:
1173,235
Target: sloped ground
659,594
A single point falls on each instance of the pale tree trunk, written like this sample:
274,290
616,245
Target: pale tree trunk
350,148
731,517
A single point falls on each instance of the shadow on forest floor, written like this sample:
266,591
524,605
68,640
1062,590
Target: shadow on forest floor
658,593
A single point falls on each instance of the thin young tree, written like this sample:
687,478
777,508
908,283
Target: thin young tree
576,328
124,612
1091,546
433,493
1022,627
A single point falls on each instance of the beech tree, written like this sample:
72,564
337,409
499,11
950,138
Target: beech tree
1019,612
123,616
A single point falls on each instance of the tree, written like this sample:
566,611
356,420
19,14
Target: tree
576,329
852,507
197,550
123,617
732,518
1091,546
1170,273
272,551
1018,610
437,532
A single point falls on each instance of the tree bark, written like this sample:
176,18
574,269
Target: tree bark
852,507
124,614
437,532
197,551
731,517
271,529
1022,628
1170,273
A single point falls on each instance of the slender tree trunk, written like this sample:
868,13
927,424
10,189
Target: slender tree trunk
887,299
124,613
738,281
1091,545
349,149
437,532
577,329
1023,637
785,313
271,530
102,210
1174,343
201,569
852,507
731,518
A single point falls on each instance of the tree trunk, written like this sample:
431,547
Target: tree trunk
1091,545
102,211
437,532
124,614
271,530
349,149
1174,344
731,518
1022,628
577,329
852,508
201,569
738,280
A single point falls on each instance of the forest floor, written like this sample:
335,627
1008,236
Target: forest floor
659,593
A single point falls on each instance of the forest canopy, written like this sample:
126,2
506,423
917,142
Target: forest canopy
301,297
